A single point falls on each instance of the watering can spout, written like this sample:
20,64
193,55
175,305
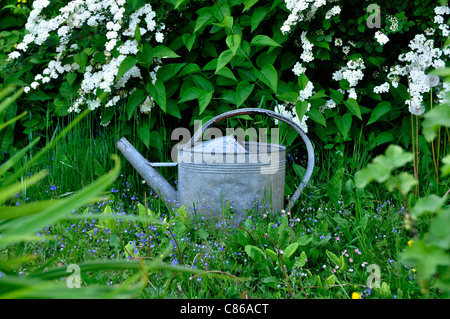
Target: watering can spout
151,176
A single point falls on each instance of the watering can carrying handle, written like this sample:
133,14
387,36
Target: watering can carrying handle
249,111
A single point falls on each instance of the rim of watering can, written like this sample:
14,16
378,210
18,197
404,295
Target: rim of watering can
199,149
273,114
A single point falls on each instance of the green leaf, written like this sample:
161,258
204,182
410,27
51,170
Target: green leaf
172,109
326,24
302,81
255,253
273,255
223,60
330,282
233,42
243,91
81,59
445,169
429,204
305,240
317,116
344,124
158,93
227,73
156,140
189,94
438,116
143,132
290,250
381,109
145,56
269,76
125,66
190,69
203,234
425,258
168,71
382,165
137,33
249,4
301,261
204,97
438,234
353,106
403,182
204,19
37,95
188,40
334,259
179,3
134,100
257,17
161,51
337,96
264,40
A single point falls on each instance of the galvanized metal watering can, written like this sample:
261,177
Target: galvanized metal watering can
224,171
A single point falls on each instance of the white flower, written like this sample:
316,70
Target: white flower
34,85
439,19
93,104
332,12
13,55
330,104
147,105
307,92
298,69
285,29
352,94
159,37
416,108
381,37
383,88
433,80
288,111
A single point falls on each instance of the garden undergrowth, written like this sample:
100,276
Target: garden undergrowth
317,250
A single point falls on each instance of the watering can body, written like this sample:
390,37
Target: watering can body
224,173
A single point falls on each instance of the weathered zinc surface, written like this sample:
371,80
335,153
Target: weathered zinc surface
224,172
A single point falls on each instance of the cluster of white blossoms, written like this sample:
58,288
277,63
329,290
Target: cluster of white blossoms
332,12
381,38
353,73
307,92
304,10
288,110
147,105
307,55
422,58
416,64
439,19
394,23
85,14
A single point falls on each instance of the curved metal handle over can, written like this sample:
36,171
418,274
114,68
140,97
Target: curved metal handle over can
250,111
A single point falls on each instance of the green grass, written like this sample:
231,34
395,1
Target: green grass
316,227
321,249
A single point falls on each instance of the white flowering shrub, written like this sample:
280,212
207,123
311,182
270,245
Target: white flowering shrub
103,43
318,60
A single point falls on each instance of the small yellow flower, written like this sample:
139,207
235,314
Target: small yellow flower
413,270
410,243
356,295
